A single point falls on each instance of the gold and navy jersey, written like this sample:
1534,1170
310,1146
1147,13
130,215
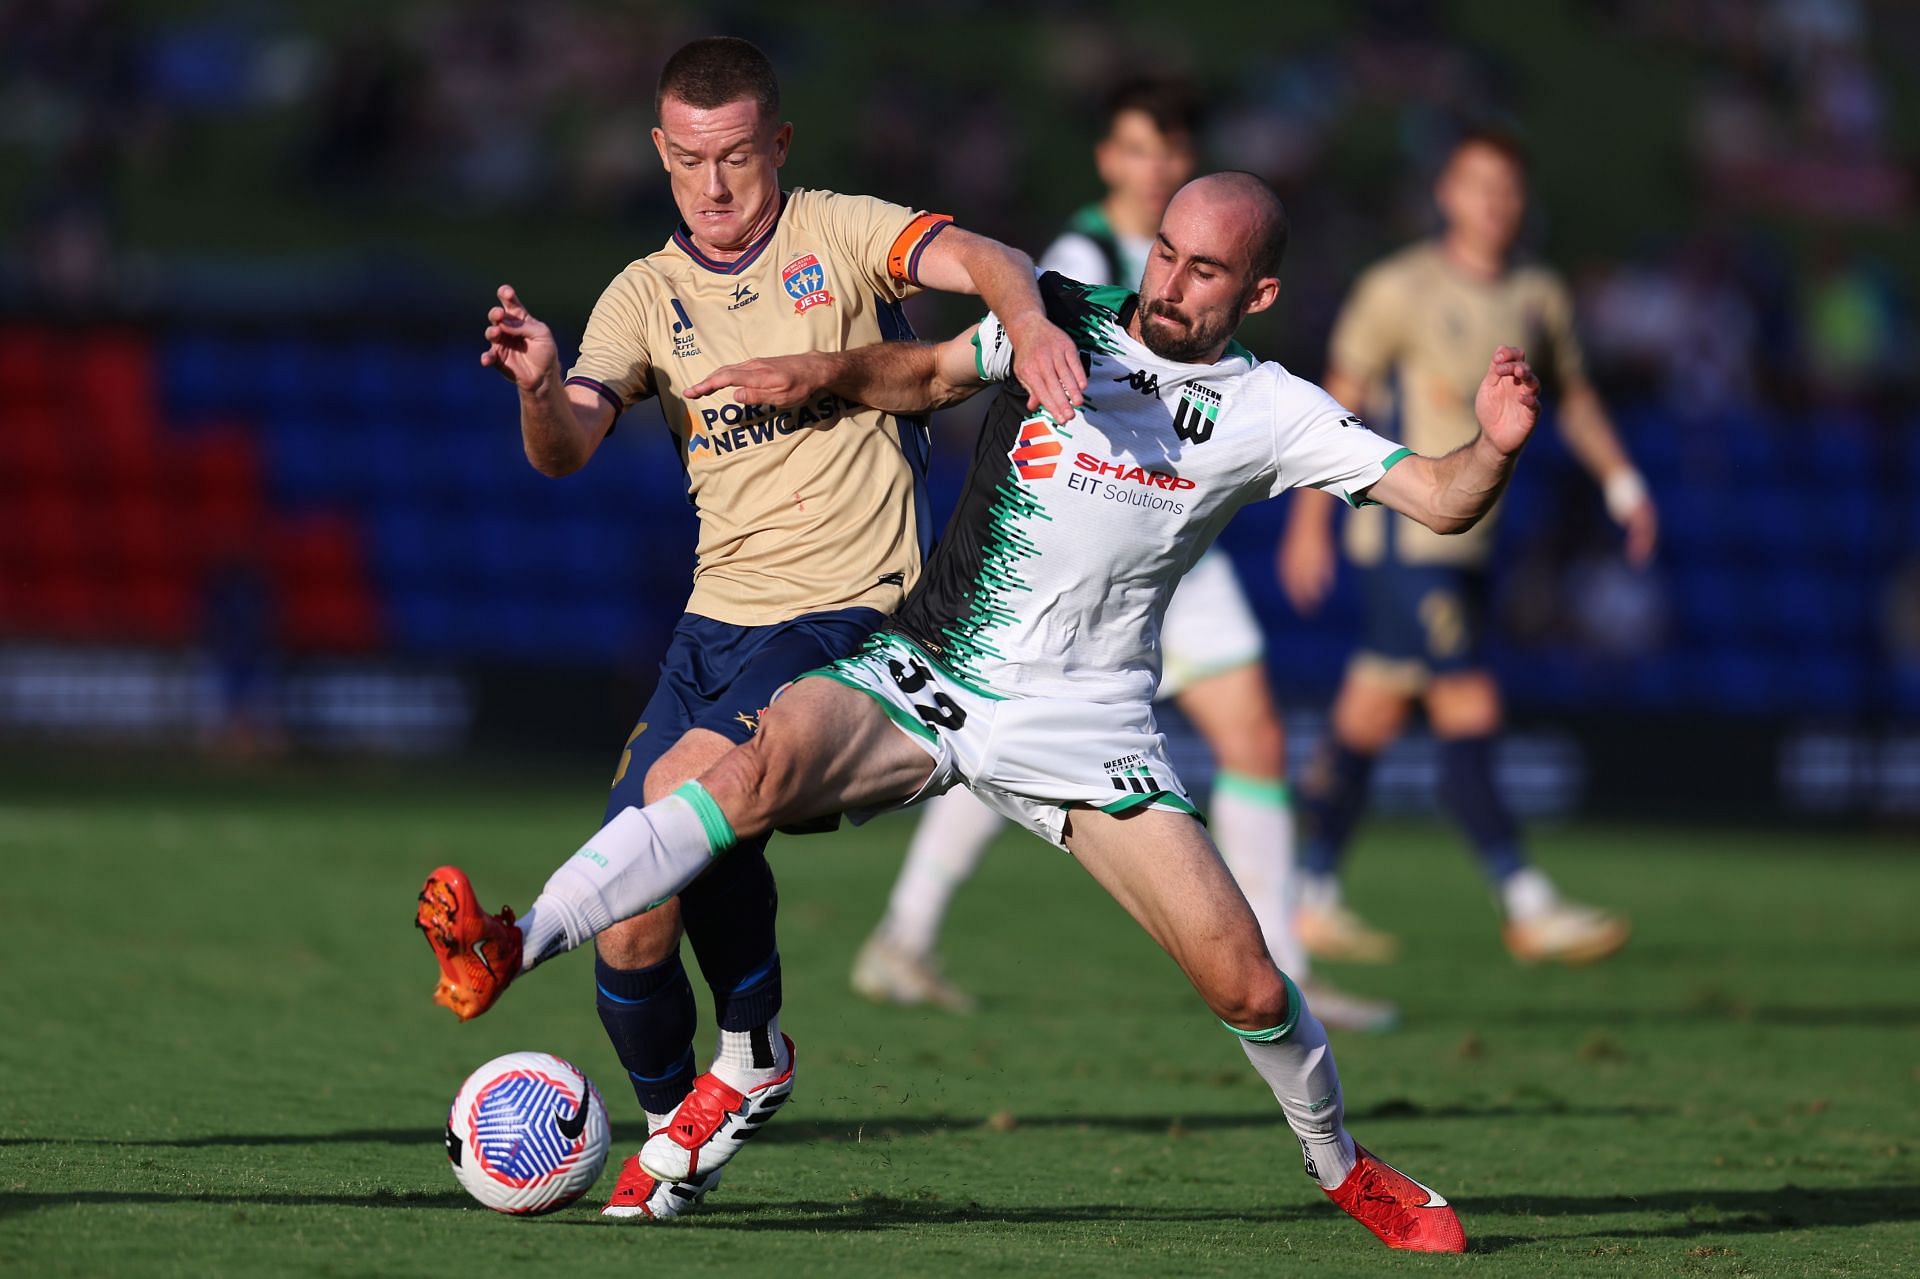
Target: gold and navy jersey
1419,332
806,508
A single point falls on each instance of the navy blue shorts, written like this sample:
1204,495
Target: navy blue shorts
1430,615
720,677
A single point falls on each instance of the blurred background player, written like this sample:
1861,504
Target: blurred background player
1212,651
1405,345
787,577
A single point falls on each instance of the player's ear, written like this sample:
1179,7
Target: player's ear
782,139
1266,291
660,145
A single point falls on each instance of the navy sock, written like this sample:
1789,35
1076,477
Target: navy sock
729,916
1330,804
1472,798
650,1017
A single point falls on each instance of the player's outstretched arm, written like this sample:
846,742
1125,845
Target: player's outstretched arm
560,426
1306,562
1591,439
894,377
1044,357
1449,494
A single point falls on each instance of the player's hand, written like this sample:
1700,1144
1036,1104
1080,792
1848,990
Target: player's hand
1642,525
1048,365
519,347
782,381
1508,402
1307,564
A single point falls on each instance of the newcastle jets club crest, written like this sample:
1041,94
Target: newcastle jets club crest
805,281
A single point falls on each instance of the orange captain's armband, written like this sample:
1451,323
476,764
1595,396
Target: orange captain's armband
903,259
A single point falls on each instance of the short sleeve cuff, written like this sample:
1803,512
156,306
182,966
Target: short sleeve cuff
1387,463
602,389
903,259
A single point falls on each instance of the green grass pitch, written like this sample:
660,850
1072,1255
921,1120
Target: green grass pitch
219,1056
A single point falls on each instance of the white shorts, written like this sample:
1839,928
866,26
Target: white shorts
1209,627
1028,758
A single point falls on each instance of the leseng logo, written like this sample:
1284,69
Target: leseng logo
805,281
1034,451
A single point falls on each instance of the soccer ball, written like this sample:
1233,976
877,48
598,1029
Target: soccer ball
527,1133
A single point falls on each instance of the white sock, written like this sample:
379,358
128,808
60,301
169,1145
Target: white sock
747,1059
947,846
1319,892
1528,893
656,1122
1298,1066
636,861
1252,824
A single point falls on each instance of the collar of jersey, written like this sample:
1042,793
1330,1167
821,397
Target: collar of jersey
1179,372
683,236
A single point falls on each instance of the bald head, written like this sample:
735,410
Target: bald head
1242,206
1215,262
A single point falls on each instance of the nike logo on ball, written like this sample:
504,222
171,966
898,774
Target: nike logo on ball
572,1128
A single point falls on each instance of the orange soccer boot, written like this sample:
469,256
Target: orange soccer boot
479,953
1398,1209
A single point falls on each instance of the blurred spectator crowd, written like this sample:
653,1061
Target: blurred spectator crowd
1726,182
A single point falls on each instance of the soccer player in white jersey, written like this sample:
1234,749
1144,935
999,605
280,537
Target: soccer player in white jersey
1212,651
813,523
1407,342
1024,663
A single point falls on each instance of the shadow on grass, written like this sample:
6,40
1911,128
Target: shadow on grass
1700,1212
799,1130
15,1202
1709,1212
1704,1212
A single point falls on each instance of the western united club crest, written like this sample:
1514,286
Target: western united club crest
1198,410
805,281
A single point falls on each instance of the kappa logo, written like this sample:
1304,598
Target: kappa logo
805,281
1035,449
1142,381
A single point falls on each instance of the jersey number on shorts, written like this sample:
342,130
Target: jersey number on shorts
912,677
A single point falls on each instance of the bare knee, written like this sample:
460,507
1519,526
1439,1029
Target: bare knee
1257,747
1255,1000
756,784
644,940
1464,705
1368,715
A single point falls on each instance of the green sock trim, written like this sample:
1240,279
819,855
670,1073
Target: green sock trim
1259,790
1285,1028
720,836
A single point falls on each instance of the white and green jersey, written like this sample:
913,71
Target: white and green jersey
1067,540
1091,251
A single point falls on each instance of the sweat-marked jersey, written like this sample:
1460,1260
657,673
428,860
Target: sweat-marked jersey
1067,540
1421,330
801,510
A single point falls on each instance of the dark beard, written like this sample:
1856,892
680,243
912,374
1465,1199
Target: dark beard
1189,346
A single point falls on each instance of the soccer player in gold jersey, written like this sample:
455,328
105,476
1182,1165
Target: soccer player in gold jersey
1407,344
813,523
